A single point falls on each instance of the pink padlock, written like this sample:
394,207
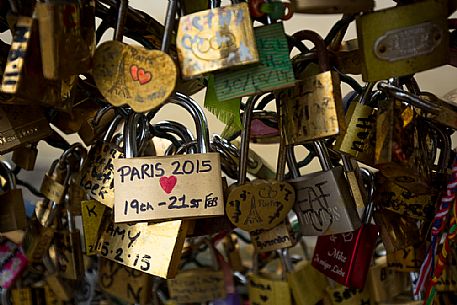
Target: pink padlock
12,262
346,257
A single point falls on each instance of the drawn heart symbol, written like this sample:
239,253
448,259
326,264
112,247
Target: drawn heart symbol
264,298
134,72
168,183
140,75
144,77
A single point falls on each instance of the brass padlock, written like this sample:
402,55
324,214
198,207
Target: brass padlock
268,288
97,178
21,125
68,250
403,40
279,237
306,283
400,152
197,285
24,67
131,251
359,139
324,204
313,109
37,240
348,58
12,211
261,204
393,197
182,186
126,284
61,288
93,215
64,50
216,39
331,6
25,157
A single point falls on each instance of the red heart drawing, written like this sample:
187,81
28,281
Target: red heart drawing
143,76
168,183
134,72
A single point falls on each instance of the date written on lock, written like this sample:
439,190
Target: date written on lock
129,245
174,187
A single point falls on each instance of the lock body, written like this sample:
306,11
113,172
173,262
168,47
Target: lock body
126,284
274,70
25,157
216,39
12,211
277,238
360,138
313,109
403,40
324,203
197,285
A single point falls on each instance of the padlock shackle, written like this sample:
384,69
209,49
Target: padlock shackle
170,19
130,134
7,173
368,177
245,136
121,19
319,43
112,128
199,117
176,128
407,97
323,155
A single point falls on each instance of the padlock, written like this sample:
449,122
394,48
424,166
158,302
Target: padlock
24,67
273,10
313,108
216,39
346,257
182,186
97,178
306,283
354,177
12,210
448,280
274,70
341,295
21,125
396,231
197,285
69,254
13,262
126,284
359,139
324,204
435,109
61,288
64,51
408,259
385,283
403,40
400,152
281,236
232,252
260,204
25,157
128,74
268,288
393,197
37,240
331,6
168,235
93,215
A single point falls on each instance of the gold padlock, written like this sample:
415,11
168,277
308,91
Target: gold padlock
313,109
403,40
216,39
